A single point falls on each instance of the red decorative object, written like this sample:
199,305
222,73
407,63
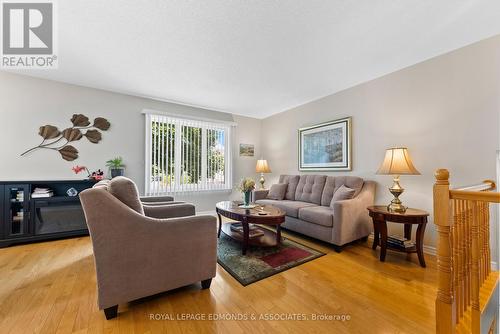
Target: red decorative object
77,169
97,175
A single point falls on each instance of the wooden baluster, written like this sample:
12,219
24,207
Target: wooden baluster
481,243
468,262
488,254
445,301
484,265
454,251
463,262
460,265
476,313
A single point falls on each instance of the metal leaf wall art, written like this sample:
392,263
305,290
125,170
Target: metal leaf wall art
56,140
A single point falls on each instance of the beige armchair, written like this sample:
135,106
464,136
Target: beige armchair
142,249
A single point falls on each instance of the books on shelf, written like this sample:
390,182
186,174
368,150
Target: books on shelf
18,217
399,242
253,230
42,192
19,196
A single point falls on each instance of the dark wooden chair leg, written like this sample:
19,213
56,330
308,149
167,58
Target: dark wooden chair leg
205,284
337,249
111,312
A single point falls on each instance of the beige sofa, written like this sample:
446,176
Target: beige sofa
307,205
144,246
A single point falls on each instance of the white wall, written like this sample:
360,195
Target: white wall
27,103
445,110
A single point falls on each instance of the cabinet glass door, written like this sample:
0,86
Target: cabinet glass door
16,202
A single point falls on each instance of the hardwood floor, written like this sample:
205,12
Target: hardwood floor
50,287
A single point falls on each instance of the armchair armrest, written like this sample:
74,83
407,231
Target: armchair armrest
350,217
153,199
260,194
170,210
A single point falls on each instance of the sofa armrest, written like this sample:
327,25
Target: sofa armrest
153,199
350,217
260,194
170,210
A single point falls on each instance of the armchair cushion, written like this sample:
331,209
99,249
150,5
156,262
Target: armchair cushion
277,191
126,191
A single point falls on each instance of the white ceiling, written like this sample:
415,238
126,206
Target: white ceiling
255,57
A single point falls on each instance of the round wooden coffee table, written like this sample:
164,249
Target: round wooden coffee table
260,215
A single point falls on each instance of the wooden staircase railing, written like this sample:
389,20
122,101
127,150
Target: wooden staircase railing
467,297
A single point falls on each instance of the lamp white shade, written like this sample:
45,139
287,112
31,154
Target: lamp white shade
397,161
262,167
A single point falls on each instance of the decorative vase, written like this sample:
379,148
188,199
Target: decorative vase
116,172
247,198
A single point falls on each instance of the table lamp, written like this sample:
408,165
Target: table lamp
397,162
262,167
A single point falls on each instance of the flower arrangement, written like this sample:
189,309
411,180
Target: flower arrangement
246,185
78,169
97,175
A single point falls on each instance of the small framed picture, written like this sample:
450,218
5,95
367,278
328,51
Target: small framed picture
326,146
246,150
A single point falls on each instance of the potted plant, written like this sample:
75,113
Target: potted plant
247,185
116,166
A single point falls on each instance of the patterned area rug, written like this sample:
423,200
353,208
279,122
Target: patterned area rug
261,262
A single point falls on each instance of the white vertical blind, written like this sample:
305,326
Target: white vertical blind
184,155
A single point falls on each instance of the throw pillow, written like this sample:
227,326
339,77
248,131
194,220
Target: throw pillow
277,191
342,193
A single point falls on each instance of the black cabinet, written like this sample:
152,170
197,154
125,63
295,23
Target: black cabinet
16,210
24,218
57,215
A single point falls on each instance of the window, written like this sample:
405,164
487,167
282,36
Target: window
184,155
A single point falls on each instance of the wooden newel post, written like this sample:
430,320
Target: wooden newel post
445,301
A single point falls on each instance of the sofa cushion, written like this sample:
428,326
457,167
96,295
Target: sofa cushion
341,194
292,181
334,182
319,215
277,191
291,208
310,188
125,190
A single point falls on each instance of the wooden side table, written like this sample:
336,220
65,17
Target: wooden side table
381,216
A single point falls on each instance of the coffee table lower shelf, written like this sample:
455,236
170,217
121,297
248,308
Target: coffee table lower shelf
269,239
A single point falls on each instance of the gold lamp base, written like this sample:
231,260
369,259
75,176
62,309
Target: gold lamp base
262,180
396,190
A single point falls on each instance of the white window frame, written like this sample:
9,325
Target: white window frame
155,189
